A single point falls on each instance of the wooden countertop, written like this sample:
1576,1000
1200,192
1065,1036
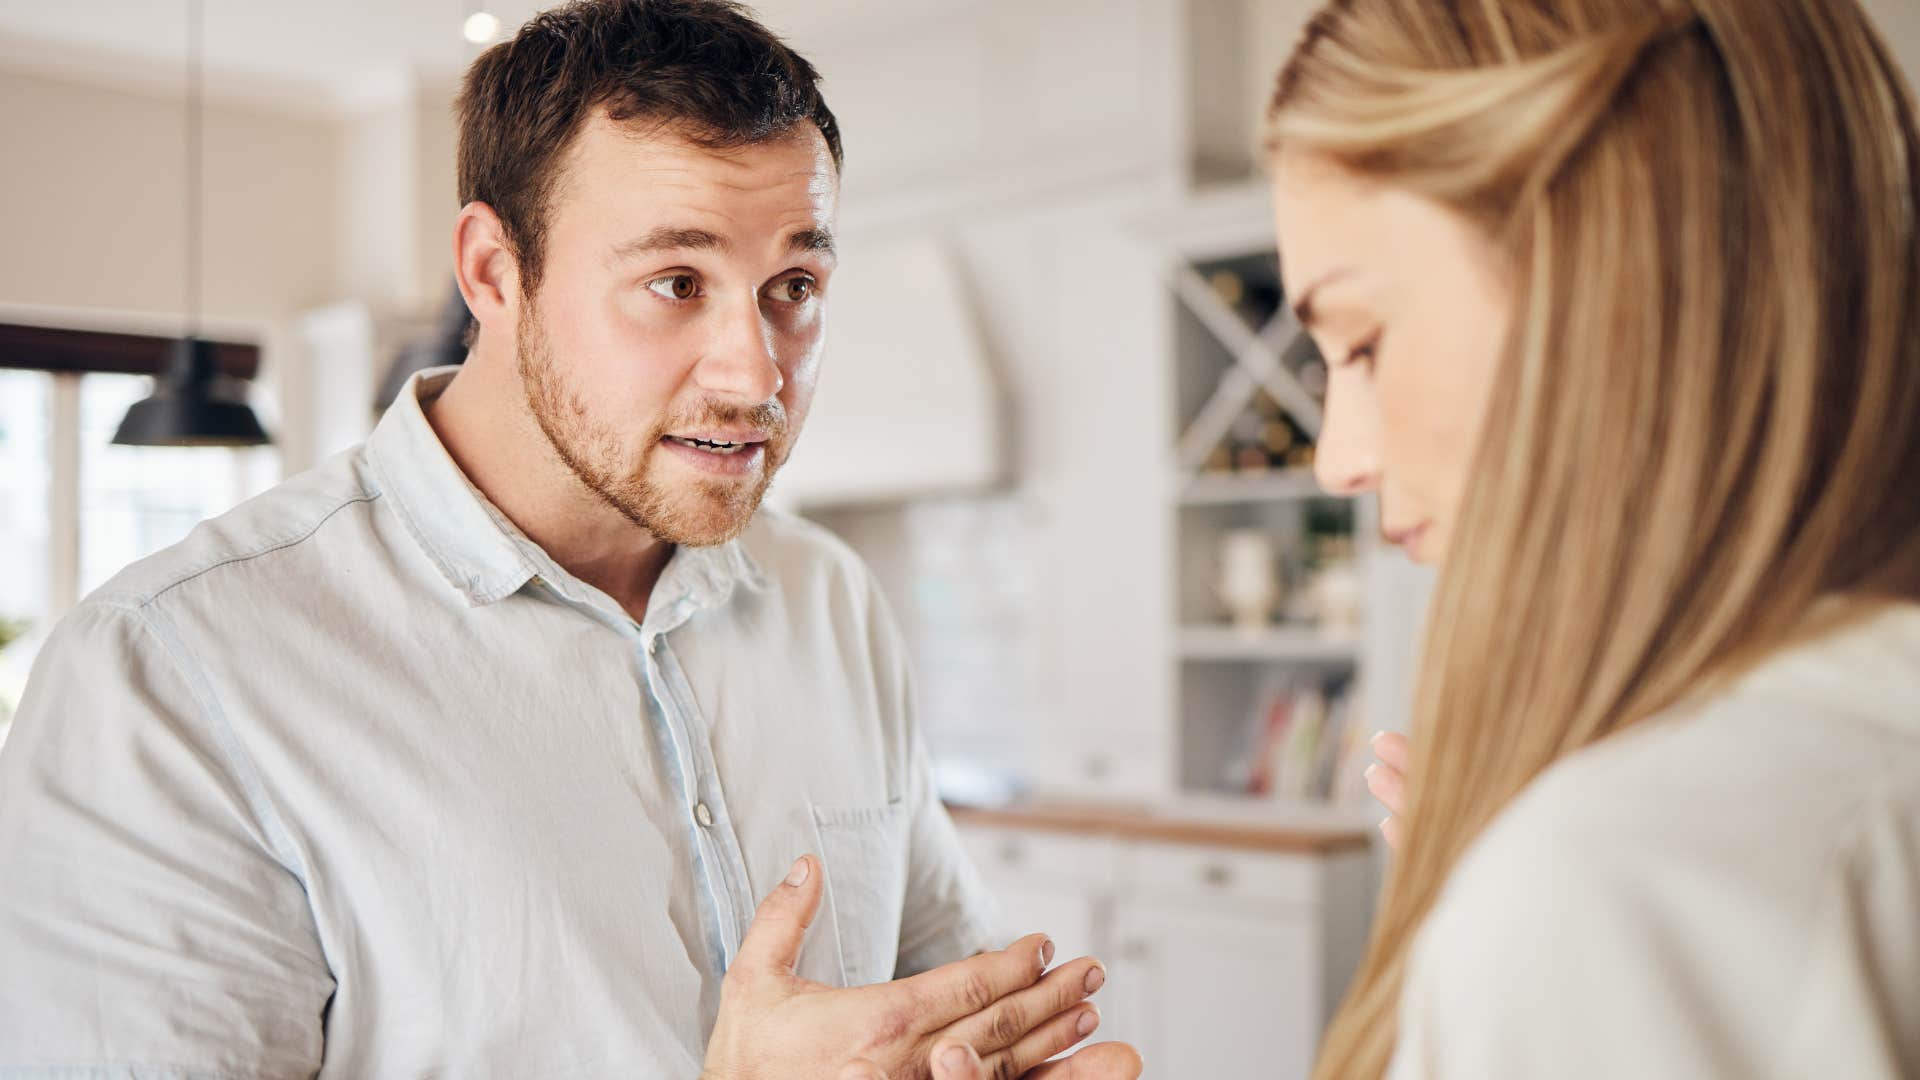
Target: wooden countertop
1181,825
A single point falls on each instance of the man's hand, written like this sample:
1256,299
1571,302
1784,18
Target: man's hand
774,1024
957,1061
1388,781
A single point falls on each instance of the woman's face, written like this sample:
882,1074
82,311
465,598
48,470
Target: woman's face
1410,305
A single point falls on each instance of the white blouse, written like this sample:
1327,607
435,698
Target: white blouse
1733,891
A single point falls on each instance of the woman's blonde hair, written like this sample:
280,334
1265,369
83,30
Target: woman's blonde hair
1707,416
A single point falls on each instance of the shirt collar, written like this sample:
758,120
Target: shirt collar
487,558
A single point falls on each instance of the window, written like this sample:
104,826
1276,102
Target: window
135,500
26,546
75,509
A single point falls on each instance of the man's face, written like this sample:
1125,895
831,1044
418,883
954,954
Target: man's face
671,350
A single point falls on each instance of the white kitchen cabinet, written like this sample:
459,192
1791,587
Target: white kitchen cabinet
1216,992
1223,961
1045,882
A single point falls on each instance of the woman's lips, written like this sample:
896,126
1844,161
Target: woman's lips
1408,539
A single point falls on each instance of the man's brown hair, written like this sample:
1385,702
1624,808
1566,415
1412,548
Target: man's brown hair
705,69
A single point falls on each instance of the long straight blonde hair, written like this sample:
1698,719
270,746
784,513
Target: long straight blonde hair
1707,416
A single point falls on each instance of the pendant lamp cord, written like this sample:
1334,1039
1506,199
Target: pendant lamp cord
194,92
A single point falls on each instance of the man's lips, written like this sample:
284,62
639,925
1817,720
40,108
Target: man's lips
734,437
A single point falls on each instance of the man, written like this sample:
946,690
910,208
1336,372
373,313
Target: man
468,753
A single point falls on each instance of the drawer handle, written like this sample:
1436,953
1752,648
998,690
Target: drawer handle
1217,876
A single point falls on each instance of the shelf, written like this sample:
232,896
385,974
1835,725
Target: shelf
1291,827
1301,644
1279,485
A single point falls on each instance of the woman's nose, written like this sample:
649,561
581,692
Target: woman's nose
1346,457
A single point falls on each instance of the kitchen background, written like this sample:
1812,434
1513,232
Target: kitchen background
1064,417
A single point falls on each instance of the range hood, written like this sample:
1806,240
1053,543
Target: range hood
909,405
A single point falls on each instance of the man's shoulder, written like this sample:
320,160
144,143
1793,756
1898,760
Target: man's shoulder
279,521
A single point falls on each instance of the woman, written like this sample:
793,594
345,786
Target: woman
1622,300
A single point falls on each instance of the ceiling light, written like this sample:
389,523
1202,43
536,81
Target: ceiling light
482,27
192,403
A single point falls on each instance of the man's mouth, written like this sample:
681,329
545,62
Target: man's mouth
713,446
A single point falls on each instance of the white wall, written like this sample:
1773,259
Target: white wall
92,203
1899,21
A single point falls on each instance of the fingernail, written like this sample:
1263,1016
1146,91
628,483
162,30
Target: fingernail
1096,978
1375,740
798,875
1371,769
955,1058
1088,1021
1384,822
1046,953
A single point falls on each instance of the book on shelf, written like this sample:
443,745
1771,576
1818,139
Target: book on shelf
1305,741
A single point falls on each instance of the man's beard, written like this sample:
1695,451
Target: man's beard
696,513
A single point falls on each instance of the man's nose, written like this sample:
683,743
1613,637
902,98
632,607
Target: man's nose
740,363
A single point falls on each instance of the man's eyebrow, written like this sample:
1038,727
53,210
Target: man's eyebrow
672,238
676,238
812,242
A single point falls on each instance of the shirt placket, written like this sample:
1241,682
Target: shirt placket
718,864
723,863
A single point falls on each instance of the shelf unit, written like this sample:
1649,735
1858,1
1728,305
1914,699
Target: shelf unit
1223,356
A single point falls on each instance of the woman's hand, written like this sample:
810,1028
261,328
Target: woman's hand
957,1061
1388,781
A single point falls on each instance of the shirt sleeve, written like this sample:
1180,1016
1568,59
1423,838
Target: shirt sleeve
148,926
948,913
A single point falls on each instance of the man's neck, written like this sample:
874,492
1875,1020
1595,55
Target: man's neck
482,419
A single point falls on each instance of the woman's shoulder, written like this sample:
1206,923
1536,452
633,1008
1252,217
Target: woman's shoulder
1771,766
1680,880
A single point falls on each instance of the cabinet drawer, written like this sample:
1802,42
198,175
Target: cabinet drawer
1004,854
1224,873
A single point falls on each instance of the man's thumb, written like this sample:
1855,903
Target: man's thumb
956,1061
773,941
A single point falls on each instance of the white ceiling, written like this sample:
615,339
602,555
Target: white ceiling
325,55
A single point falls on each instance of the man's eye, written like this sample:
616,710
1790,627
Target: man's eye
675,286
796,290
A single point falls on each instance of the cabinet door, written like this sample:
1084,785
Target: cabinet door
1045,883
1220,993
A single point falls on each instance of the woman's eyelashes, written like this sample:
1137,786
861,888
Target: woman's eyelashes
1366,352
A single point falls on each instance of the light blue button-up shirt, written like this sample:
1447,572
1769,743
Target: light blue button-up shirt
356,781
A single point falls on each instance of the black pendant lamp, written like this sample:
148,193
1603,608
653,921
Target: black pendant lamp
193,403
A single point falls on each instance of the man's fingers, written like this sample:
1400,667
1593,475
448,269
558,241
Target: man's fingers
1060,1033
1389,786
773,940
863,1070
964,987
1102,1061
1009,1020
953,1060
1393,750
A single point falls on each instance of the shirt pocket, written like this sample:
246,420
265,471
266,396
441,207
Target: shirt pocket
865,853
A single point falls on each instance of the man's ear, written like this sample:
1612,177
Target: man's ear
489,274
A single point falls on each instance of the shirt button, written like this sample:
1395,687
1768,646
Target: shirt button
703,815
656,645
